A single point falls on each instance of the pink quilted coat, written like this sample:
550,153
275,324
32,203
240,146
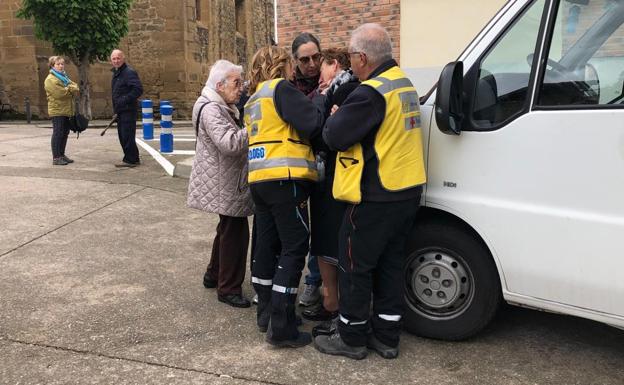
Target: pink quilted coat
218,182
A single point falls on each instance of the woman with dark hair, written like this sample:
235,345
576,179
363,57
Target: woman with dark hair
281,122
60,91
307,53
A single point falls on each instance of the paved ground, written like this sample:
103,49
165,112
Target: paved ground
100,282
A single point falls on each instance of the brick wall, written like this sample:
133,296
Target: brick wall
333,20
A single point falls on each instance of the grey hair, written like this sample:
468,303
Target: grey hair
374,41
219,72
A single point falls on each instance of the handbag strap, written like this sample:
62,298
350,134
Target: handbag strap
199,114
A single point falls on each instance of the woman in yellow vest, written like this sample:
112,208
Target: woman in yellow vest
281,122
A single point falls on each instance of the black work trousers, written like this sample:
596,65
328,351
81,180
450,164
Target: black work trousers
60,132
229,254
371,257
282,243
126,130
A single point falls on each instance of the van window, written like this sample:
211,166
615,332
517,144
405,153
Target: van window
585,64
503,78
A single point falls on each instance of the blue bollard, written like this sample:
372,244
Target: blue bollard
147,109
166,128
163,103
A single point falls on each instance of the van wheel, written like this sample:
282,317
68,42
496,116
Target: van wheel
452,288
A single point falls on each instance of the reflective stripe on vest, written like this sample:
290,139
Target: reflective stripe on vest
276,151
398,143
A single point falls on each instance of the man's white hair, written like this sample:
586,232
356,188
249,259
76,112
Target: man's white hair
374,41
219,72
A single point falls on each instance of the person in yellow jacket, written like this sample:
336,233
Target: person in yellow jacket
281,123
60,91
379,173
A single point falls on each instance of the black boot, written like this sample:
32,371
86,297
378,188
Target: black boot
382,349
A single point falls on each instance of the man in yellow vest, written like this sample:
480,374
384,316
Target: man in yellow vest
379,172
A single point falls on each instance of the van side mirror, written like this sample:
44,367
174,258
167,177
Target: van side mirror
448,103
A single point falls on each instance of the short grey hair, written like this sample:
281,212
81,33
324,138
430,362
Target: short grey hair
374,41
219,72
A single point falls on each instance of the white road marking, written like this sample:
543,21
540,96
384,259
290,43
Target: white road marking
166,165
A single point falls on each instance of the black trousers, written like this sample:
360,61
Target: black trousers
60,132
282,243
229,254
126,130
371,257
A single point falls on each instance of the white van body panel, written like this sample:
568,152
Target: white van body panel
545,194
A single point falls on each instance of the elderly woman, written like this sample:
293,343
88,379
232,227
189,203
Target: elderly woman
281,123
326,214
218,182
59,91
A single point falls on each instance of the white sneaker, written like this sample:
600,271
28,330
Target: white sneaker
310,296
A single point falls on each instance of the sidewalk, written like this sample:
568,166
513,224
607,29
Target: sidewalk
101,283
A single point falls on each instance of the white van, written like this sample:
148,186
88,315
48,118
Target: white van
525,160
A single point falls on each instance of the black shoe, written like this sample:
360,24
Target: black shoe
319,314
209,283
235,300
382,349
263,325
127,164
301,340
334,345
59,162
67,159
326,328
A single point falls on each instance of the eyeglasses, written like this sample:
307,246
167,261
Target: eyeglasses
306,59
356,53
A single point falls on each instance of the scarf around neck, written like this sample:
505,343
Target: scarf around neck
62,76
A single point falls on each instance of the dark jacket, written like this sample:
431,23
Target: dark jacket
305,116
357,121
126,87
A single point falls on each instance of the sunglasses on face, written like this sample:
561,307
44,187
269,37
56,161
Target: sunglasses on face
306,59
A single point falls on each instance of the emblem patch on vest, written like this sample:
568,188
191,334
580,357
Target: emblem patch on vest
256,153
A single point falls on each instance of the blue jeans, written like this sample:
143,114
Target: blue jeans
314,276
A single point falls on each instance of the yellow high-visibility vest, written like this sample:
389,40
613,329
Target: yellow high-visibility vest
398,143
276,151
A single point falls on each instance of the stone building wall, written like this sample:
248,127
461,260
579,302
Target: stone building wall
171,44
333,20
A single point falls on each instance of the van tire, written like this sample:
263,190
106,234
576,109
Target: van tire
468,293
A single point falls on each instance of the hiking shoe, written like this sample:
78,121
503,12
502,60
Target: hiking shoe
325,328
382,349
334,345
319,313
301,340
59,162
310,296
68,160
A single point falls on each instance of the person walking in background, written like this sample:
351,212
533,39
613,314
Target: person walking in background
218,181
380,175
307,53
281,123
60,92
336,82
126,89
